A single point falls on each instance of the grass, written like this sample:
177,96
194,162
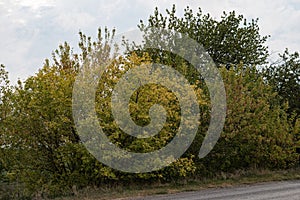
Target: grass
222,180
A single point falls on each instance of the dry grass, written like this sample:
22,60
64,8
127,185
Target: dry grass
222,180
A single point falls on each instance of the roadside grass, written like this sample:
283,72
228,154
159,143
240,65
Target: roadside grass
128,191
221,180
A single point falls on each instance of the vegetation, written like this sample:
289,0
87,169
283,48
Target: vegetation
41,154
285,79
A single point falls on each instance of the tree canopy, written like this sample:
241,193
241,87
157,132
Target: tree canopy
230,40
284,76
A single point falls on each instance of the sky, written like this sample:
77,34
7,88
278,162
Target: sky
32,29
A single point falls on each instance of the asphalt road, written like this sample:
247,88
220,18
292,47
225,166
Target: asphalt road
285,190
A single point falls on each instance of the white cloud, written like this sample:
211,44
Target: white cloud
74,21
35,4
18,33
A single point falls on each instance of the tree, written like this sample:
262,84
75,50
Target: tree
284,76
257,132
51,158
229,41
5,113
46,155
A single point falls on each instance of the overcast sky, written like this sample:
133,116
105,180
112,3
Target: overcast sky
32,29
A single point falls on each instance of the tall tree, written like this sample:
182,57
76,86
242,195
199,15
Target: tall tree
230,40
5,112
284,76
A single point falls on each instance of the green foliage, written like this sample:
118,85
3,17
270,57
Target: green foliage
43,151
285,78
230,40
5,109
46,155
257,133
